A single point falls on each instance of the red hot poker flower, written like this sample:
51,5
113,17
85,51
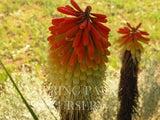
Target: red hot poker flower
85,33
132,35
131,56
78,52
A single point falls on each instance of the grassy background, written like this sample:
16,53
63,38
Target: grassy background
23,49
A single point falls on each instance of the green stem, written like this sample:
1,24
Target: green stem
14,84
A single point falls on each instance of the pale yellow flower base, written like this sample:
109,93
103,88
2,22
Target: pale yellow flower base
76,92
136,52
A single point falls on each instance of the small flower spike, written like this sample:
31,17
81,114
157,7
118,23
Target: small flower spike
132,38
131,54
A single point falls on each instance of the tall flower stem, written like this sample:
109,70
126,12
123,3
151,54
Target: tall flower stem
131,55
128,91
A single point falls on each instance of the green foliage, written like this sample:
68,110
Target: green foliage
23,48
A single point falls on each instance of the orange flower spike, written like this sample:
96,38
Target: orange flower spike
132,39
78,44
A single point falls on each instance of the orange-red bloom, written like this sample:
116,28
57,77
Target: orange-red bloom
132,34
80,38
77,55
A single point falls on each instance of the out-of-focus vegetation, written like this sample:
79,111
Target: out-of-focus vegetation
23,49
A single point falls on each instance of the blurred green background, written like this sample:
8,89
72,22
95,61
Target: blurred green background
24,49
